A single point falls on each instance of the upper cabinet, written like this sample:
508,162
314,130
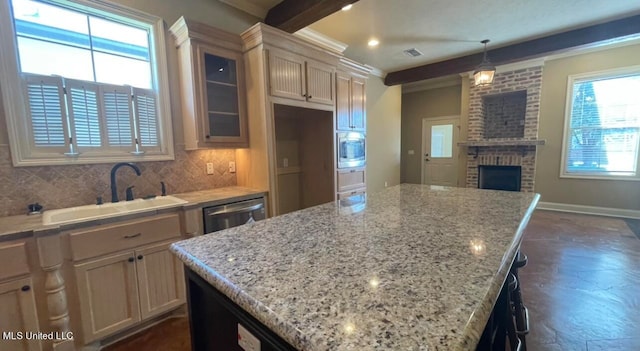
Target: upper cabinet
213,94
350,102
295,77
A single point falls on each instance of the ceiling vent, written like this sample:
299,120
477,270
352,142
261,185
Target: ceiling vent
413,52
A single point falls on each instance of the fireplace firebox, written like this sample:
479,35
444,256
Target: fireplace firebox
499,177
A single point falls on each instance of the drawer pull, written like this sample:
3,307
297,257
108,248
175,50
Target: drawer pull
352,171
25,288
129,236
131,259
140,257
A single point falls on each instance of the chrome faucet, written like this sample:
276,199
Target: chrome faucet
114,189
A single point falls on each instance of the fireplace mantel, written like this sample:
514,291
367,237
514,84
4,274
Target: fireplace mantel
489,143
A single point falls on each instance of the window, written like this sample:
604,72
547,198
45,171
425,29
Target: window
602,125
92,83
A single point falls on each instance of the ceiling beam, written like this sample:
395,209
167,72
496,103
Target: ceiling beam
293,15
610,31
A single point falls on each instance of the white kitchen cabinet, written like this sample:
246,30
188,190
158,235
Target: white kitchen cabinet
295,77
160,280
350,102
119,291
212,86
108,294
18,314
18,311
125,273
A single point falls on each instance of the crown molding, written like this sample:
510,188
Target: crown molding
248,7
376,71
321,40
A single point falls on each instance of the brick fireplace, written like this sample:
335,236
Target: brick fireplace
503,124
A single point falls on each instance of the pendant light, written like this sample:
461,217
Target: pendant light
483,74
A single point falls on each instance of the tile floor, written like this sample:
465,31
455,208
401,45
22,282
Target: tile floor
582,288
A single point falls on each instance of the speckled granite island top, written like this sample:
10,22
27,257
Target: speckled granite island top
419,268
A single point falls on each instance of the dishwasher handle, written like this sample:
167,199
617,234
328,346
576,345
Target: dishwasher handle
234,209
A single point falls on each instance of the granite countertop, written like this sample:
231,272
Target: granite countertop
419,268
22,226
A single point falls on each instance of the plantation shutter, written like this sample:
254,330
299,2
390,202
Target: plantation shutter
46,111
118,116
84,108
146,118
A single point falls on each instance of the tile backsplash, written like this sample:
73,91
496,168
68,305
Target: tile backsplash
75,185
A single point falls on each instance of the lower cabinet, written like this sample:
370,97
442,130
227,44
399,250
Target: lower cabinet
18,315
120,290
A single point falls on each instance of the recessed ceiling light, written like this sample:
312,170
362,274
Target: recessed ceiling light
373,42
347,8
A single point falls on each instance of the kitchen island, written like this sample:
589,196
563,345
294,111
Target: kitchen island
415,268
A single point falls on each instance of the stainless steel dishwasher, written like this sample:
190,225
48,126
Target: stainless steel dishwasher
233,214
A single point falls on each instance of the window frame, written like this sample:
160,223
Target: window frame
15,100
571,79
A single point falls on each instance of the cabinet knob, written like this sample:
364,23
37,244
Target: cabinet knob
304,95
207,136
140,257
131,259
310,96
25,288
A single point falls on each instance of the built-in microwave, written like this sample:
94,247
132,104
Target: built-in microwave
351,149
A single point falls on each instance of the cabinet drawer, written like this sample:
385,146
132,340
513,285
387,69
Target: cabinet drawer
13,260
346,194
121,236
350,179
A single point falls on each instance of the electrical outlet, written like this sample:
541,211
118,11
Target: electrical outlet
209,168
232,167
385,184
411,152
285,162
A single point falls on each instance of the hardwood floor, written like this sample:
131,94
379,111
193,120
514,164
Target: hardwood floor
581,285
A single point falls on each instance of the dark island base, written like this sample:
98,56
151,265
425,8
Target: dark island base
214,320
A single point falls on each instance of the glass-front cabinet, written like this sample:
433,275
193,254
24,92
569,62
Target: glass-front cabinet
223,98
212,86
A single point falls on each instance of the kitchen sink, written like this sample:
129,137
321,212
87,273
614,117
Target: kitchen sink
108,210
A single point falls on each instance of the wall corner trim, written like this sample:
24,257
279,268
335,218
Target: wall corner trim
591,210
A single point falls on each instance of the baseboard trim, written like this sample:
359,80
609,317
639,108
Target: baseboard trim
592,210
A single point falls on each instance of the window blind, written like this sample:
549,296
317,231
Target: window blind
46,101
604,131
146,117
118,115
82,99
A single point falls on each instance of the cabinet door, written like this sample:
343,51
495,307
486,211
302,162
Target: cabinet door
343,101
223,96
108,294
320,83
287,78
18,314
358,115
160,279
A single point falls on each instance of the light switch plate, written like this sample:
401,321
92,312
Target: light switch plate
209,168
411,152
232,167
246,340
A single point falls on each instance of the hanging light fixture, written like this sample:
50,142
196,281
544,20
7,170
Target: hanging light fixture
483,74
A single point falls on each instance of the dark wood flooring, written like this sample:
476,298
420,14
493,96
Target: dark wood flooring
582,288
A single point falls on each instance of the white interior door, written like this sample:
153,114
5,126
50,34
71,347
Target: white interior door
440,150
